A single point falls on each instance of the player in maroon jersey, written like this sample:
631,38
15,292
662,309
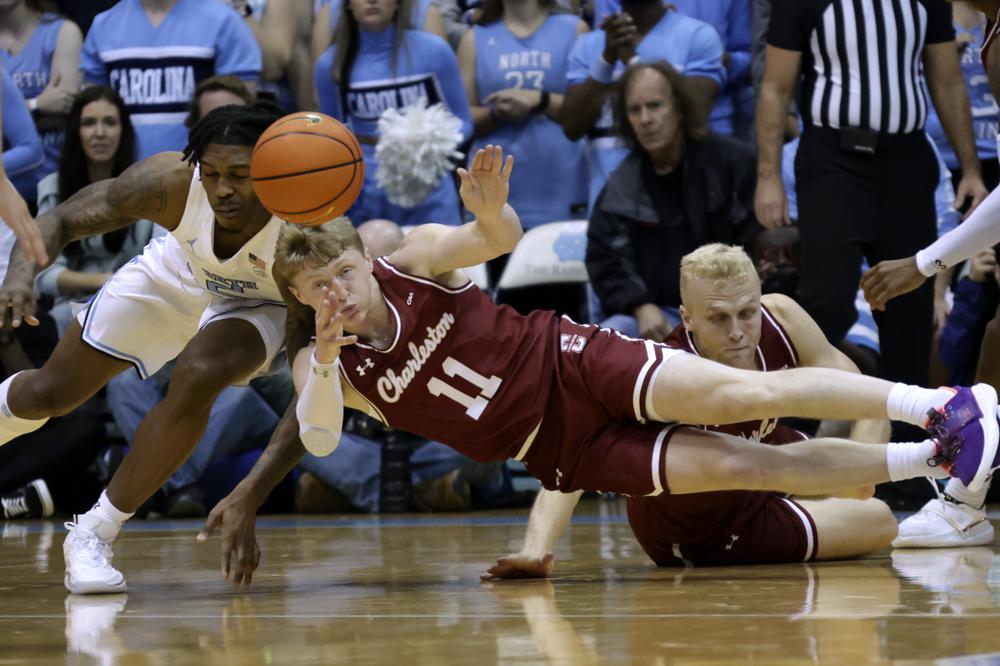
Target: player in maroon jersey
726,319
409,340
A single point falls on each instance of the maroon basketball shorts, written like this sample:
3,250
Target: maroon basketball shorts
781,530
598,432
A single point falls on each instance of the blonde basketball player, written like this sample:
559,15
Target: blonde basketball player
726,319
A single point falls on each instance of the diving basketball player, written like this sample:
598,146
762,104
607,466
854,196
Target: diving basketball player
204,293
410,340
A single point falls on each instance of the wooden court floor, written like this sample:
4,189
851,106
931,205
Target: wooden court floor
405,590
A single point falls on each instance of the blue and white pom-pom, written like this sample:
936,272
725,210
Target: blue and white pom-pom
414,150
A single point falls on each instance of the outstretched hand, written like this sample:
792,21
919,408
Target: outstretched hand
486,183
330,329
237,518
519,565
889,279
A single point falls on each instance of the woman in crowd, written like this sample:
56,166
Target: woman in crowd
375,56
100,143
514,64
424,15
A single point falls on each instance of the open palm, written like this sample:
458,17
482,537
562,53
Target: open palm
487,181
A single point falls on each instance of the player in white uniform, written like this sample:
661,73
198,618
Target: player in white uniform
204,294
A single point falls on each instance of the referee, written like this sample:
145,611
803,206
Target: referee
865,171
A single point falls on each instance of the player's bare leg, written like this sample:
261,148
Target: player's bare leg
221,354
837,520
700,461
73,373
690,389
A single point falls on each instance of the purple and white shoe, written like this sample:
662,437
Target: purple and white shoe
967,431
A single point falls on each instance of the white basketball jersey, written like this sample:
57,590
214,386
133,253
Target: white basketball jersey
189,251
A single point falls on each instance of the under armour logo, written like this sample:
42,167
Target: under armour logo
409,299
733,538
572,343
941,265
368,364
558,477
191,243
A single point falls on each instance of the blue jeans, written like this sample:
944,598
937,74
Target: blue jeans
627,325
239,421
354,470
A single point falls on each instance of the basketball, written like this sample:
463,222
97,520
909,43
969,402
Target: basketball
307,168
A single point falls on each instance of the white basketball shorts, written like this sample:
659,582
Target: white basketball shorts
146,314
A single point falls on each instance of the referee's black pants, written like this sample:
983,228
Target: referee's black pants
853,206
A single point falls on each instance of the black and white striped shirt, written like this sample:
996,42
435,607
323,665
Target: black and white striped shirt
862,60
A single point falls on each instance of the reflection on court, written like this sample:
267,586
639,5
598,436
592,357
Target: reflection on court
366,591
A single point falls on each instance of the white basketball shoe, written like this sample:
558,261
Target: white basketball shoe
945,523
88,563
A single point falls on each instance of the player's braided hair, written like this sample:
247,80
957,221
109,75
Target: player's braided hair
231,125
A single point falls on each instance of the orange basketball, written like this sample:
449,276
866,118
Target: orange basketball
307,168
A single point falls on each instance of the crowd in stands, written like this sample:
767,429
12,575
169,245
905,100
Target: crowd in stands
640,117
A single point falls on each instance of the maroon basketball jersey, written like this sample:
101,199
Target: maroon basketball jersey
663,522
480,388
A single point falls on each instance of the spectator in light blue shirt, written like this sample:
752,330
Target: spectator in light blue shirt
155,61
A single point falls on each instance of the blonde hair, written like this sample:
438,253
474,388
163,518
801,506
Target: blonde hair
717,263
300,248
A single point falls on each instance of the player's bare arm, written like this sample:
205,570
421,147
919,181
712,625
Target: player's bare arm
155,189
236,514
435,251
548,520
815,351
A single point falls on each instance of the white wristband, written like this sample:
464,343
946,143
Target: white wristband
321,369
928,266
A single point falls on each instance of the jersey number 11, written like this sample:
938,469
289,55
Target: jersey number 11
474,405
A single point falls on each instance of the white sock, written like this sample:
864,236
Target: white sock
13,426
104,519
911,403
957,490
908,460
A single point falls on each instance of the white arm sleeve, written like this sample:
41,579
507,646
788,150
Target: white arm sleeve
320,408
979,232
